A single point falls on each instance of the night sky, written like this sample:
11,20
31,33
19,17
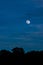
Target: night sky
14,32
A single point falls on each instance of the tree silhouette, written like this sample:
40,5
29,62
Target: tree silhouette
18,56
4,52
18,51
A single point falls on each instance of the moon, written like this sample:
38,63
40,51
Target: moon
27,21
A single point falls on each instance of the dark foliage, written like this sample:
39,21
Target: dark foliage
18,56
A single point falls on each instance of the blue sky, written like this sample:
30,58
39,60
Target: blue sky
14,32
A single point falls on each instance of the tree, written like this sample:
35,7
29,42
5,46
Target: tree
18,51
4,52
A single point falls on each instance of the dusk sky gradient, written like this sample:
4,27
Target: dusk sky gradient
14,32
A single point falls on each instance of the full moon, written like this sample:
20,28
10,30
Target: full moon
27,21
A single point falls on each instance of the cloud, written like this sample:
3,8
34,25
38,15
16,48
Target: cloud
37,26
27,38
36,12
38,3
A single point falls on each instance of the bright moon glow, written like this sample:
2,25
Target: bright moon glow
28,21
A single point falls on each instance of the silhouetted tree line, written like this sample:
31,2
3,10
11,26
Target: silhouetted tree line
18,56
